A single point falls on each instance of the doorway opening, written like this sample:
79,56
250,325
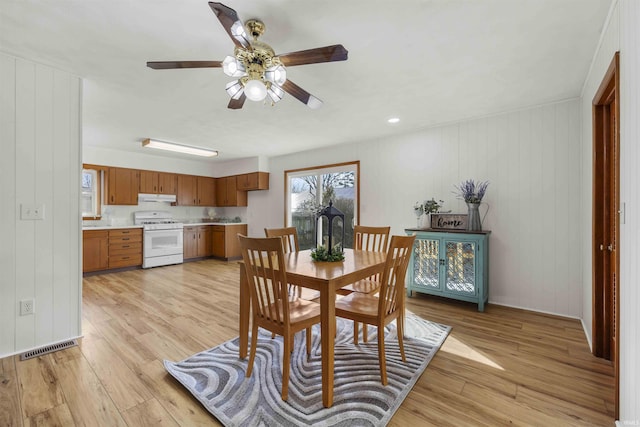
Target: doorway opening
606,220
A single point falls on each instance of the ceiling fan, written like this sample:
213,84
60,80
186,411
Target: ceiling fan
260,72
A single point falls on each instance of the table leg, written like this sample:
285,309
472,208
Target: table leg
244,313
328,334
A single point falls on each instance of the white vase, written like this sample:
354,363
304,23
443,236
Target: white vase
426,221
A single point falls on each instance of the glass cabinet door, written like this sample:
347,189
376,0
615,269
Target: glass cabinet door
460,267
426,268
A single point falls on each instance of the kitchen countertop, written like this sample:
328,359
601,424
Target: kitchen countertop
108,227
186,224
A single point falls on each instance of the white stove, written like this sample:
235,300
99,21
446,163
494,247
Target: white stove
162,237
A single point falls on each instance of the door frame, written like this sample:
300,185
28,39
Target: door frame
606,220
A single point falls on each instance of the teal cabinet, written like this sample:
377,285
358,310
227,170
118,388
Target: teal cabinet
451,264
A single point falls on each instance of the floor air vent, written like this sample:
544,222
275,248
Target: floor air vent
48,349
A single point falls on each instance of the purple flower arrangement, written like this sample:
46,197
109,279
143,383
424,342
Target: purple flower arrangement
471,191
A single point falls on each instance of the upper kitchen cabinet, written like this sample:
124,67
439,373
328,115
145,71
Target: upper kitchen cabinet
206,191
253,181
187,190
227,193
158,182
122,186
196,190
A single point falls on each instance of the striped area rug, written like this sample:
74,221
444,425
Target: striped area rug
216,377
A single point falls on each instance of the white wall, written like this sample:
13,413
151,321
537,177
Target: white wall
531,158
630,231
609,45
39,163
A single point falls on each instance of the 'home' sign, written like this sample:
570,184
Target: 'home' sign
448,221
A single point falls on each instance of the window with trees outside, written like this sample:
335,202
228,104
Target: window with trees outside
91,192
309,190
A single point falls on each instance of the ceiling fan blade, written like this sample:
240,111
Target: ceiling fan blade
333,53
301,95
232,24
167,65
236,104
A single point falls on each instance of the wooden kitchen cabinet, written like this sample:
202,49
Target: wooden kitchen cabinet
196,190
122,186
218,241
253,181
95,250
206,191
125,247
190,242
152,182
198,241
187,190
225,240
227,193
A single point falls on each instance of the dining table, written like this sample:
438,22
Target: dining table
326,278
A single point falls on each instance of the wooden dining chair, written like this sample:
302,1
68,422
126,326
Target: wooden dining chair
388,305
289,236
271,307
367,238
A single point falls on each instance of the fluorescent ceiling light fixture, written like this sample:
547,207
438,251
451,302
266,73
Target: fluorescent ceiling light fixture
179,148
393,120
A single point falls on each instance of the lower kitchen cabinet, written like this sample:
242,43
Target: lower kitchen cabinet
108,249
198,241
219,241
95,250
231,244
450,264
125,247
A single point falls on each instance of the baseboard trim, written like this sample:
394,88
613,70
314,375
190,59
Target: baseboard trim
587,335
566,316
2,356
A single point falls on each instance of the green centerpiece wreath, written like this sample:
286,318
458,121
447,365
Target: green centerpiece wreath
321,254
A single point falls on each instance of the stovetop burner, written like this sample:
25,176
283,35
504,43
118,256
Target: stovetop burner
155,220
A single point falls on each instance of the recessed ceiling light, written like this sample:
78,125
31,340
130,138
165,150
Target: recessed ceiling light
393,120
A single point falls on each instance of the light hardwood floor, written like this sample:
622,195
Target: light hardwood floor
500,367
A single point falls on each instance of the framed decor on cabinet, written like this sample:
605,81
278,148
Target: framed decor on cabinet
447,221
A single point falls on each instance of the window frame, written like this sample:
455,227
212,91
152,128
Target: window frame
100,173
319,170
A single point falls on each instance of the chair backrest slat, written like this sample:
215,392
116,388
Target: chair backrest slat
393,277
266,273
371,238
289,236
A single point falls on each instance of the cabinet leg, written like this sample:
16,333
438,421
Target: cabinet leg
409,293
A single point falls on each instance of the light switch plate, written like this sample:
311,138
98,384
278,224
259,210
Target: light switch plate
31,211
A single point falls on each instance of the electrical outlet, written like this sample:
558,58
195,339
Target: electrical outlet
27,307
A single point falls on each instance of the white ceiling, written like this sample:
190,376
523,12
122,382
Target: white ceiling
425,61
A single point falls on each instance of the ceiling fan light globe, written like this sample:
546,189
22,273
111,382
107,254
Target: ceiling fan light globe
277,75
255,90
232,67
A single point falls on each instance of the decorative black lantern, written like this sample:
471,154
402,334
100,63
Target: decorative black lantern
331,214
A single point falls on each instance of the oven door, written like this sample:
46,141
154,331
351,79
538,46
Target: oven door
162,243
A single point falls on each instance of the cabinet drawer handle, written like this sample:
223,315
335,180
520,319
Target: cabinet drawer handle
125,238
126,232
125,246
125,257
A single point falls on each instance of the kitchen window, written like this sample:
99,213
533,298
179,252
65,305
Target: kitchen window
91,192
309,188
